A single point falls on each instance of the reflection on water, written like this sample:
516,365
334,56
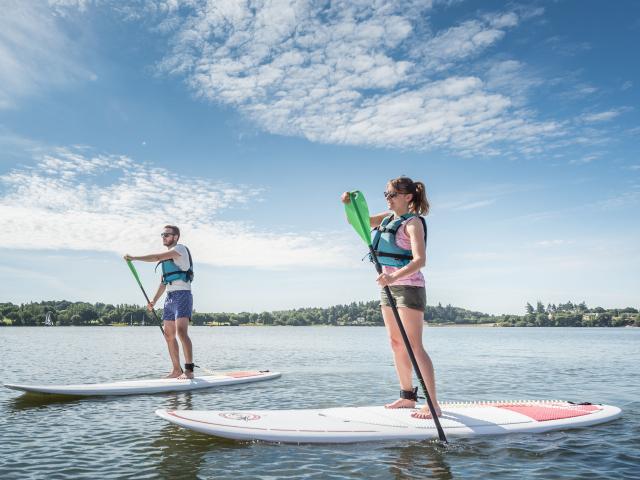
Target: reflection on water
182,451
26,401
179,401
424,460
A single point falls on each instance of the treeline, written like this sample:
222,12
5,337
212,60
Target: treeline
572,315
71,313
356,313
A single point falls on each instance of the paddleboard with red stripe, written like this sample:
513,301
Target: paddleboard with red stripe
364,424
155,385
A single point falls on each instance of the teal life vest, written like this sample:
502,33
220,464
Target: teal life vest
384,241
172,272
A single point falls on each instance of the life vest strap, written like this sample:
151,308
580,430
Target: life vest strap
389,219
394,255
166,274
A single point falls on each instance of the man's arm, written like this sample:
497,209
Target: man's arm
154,257
156,297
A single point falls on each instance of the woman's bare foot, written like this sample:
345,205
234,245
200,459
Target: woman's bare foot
425,414
174,374
401,403
187,374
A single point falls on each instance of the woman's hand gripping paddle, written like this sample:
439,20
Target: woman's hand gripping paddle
135,275
358,215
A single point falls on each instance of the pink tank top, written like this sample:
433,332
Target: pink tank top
415,279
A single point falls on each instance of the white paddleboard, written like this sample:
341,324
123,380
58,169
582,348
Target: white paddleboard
364,424
156,385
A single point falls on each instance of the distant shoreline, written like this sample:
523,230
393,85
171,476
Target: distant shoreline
427,324
65,313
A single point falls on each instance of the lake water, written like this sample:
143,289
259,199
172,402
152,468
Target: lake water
120,437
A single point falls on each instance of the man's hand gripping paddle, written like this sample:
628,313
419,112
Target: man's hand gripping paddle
135,275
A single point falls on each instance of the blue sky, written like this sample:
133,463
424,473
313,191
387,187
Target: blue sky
242,122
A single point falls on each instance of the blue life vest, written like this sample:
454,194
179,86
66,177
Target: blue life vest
384,241
172,272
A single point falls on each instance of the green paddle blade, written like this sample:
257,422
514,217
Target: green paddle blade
135,273
358,215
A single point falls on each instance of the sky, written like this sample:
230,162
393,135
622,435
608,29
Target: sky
242,122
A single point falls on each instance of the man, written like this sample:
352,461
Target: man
177,274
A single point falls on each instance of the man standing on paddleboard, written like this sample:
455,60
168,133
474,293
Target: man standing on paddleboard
177,275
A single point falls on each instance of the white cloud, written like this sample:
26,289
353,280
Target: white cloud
465,40
601,116
604,116
474,205
73,200
62,5
354,73
567,48
585,90
584,160
487,256
553,243
481,196
35,54
513,78
622,200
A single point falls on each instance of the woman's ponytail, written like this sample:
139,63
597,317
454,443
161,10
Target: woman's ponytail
419,203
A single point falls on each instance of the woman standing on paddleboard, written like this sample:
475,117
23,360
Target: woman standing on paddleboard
400,244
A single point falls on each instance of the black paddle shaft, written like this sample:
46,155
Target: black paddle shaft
407,344
153,310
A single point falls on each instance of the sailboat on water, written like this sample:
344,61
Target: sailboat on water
47,320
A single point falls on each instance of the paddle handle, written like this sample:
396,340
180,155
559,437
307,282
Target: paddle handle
407,344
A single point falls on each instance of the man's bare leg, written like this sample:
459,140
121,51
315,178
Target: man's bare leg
172,345
182,325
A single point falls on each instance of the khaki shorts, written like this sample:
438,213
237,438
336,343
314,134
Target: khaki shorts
406,296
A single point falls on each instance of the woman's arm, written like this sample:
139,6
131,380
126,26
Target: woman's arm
375,220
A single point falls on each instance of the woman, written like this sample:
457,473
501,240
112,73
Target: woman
400,243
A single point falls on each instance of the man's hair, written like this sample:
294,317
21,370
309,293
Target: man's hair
175,230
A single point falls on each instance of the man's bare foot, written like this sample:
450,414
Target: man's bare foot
174,374
187,374
401,403
425,414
